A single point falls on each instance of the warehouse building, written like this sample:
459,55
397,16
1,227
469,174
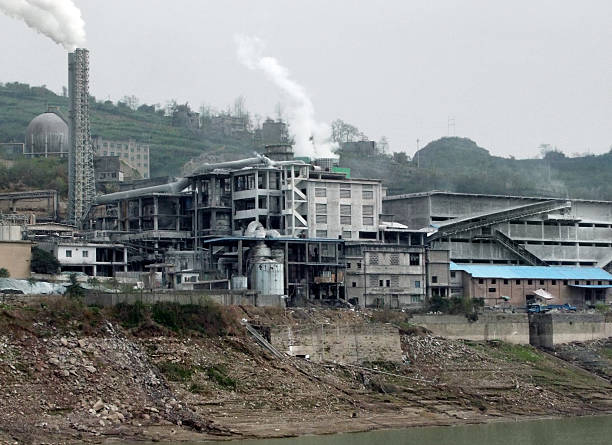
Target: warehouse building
520,285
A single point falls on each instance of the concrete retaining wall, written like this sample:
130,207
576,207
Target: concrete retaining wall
340,343
548,330
223,297
511,328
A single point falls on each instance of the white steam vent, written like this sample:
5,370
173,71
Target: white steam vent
58,19
312,138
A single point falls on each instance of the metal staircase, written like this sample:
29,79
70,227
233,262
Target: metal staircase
262,341
517,249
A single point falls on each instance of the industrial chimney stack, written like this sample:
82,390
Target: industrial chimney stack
81,185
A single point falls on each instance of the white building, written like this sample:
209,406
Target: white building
91,259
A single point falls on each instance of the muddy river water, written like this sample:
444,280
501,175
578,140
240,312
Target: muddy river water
569,431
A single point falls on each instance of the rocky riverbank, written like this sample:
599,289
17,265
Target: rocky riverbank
71,374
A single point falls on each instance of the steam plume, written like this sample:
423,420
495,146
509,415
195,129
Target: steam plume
58,19
312,138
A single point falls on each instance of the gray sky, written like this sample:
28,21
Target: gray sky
513,75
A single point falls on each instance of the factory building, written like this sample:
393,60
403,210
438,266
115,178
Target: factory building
518,286
510,229
133,153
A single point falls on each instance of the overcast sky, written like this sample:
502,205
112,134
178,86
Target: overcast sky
513,75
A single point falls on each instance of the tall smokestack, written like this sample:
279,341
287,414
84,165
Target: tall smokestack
81,186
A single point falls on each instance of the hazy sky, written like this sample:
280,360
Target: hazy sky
513,74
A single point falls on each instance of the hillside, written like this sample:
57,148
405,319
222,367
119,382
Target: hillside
171,146
453,164
460,165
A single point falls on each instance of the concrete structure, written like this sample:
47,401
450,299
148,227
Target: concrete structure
15,257
40,205
516,285
91,259
81,180
511,328
133,153
510,229
549,330
350,343
47,135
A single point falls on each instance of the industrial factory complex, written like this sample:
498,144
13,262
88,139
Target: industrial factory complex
293,231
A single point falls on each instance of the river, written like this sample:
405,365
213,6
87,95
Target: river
566,431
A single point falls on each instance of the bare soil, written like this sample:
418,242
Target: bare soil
74,375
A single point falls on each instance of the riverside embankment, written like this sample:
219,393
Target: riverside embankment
73,374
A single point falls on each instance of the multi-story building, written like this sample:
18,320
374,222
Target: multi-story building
134,153
510,229
91,259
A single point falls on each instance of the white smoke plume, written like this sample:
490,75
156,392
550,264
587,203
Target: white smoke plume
312,138
58,19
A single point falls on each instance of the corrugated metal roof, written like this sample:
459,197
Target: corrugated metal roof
592,286
536,272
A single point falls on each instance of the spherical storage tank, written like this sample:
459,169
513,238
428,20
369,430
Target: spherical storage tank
47,135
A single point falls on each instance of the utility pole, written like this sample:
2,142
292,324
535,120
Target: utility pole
417,152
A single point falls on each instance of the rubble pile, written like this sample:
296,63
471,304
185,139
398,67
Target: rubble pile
595,356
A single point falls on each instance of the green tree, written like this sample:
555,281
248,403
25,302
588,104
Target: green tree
74,290
43,261
4,273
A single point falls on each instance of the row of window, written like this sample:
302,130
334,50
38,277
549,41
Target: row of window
346,220
124,155
123,146
321,192
84,253
543,282
387,283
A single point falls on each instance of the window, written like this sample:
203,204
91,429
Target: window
354,284
380,283
68,253
368,210
480,281
541,282
394,259
348,265
320,192
347,234
417,284
321,209
565,282
493,281
491,289
434,279
505,281
85,253
529,282
345,209
576,282
599,283
518,281
415,259
415,298
358,265
345,193
452,274
321,234
321,219
588,283
388,283
553,282
368,221
346,220
367,194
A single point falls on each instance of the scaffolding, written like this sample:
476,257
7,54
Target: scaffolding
81,179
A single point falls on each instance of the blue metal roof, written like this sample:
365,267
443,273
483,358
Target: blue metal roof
592,286
536,272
